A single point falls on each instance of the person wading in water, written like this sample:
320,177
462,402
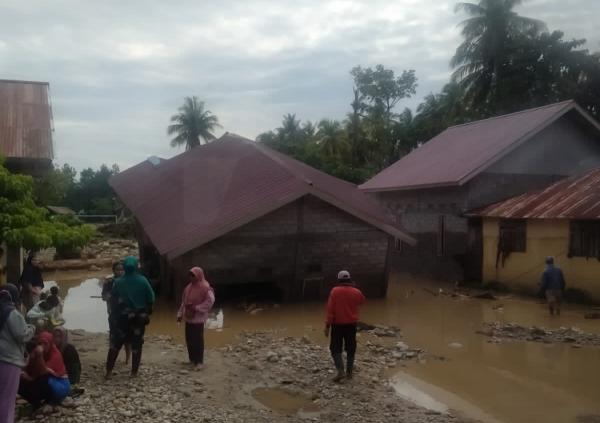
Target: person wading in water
136,298
342,316
553,286
197,300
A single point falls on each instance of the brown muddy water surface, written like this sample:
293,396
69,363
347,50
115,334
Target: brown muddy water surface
283,401
507,382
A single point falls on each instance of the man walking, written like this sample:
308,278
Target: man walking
342,316
553,286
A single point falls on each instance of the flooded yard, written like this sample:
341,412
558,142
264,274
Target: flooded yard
496,382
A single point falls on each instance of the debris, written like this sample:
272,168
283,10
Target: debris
455,345
499,331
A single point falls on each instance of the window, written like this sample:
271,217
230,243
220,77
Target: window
513,236
399,245
441,236
584,239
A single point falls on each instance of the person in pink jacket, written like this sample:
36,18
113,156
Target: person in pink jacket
197,300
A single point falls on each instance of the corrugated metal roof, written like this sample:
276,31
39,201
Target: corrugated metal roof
461,152
25,120
202,194
576,197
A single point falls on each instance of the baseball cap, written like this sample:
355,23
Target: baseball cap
344,275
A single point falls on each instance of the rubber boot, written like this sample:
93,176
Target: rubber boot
136,359
349,366
111,359
339,365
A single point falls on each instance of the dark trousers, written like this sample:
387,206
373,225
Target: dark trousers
126,331
35,391
343,337
194,338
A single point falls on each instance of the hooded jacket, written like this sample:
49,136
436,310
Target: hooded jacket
132,288
14,333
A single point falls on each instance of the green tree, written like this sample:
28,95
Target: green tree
482,58
54,187
92,193
331,138
24,224
193,125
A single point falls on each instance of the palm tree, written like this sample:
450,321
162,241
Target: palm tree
479,59
193,125
330,137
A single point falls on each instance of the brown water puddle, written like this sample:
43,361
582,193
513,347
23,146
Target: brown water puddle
284,401
507,382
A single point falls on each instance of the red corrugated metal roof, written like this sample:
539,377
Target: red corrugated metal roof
202,194
576,197
25,120
461,152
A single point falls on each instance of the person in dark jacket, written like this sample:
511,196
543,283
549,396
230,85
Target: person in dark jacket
136,299
553,286
69,354
112,304
31,281
342,317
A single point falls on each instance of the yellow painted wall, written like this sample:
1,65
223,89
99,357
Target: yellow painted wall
522,271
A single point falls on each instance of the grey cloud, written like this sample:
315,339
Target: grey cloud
118,70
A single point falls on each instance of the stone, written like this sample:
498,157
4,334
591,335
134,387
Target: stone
272,357
402,346
455,345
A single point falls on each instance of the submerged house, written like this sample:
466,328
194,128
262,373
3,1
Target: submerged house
562,220
251,216
472,165
25,144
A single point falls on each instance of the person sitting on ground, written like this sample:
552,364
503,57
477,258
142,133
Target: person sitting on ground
197,300
112,303
136,298
342,317
69,354
45,377
45,315
553,286
54,292
31,281
14,334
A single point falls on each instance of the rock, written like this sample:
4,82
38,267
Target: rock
402,346
272,357
455,345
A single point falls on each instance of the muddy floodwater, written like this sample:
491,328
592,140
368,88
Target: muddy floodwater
506,382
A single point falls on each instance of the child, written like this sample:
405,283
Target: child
61,303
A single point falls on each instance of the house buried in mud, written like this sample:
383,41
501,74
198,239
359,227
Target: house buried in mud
468,166
252,218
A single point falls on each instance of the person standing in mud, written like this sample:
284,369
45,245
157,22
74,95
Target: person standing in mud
112,303
342,317
197,300
553,286
135,301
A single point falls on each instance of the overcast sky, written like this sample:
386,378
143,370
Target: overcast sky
119,69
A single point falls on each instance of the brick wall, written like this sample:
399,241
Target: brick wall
307,239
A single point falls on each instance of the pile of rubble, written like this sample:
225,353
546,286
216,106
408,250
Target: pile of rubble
499,331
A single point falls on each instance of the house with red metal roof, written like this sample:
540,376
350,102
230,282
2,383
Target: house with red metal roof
26,126
253,217
468,166
562,220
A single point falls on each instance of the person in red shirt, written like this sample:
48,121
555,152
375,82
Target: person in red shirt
342,316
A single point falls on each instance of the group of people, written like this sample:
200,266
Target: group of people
130,300
36,359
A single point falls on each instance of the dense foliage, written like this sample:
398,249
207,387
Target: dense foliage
23,223
505,63
90,193
193,125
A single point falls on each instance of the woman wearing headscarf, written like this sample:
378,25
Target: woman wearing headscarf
14,333
69,354
112,304
45,376
31,281
197,300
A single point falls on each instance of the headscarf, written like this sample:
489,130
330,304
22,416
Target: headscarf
52,357
65,337
198,288
31,273
9,297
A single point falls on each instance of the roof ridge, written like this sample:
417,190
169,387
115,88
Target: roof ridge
565,102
